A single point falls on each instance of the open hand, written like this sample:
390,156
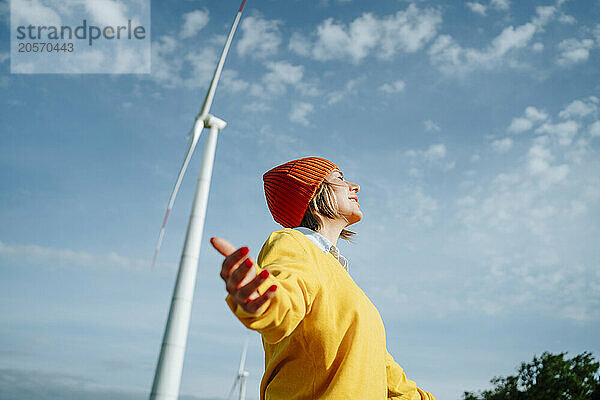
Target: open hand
241,279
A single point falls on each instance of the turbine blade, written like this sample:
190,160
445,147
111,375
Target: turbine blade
199,120
215,80
243,359
195,135
235,382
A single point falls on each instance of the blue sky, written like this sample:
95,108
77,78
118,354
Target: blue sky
472,128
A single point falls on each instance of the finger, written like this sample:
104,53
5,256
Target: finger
246,290
222,246
244,273
254,305
249,277
233,261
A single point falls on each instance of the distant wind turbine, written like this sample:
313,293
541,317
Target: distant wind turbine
241,377
167,377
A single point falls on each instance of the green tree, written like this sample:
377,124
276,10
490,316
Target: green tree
548,377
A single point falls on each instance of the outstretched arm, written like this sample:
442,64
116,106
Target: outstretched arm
282,264
241,278
399,386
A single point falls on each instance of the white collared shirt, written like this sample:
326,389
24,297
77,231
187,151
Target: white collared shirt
324,244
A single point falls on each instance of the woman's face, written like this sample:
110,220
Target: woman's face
346,195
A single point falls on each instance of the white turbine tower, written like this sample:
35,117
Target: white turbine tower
170,361
241,376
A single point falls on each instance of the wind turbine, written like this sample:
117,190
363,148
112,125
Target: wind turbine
167,377
241,376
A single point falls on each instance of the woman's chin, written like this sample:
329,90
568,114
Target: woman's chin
354,218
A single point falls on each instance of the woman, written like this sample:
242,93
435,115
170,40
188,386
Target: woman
323,338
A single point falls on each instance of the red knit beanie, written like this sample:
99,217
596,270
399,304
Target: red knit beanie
290,187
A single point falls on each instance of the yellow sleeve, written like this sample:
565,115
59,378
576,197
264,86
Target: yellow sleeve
292,270
400,387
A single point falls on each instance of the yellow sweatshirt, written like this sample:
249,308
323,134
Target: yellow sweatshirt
323,338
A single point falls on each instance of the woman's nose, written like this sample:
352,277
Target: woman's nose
354,186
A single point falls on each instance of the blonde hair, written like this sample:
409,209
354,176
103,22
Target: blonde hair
323,203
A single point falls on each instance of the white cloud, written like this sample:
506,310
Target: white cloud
538,47
477,8
451,58
595,129
500,4
231,81
519,125
312,87
300,111
5,12
25,12
431,126
535,115
415,172
573,51
284,72
279,75
80,62
133,59
417,208
339,95
409,30
99,12
521,223
539,159
299,44
564,132
23,68
544,14
202,67
512,38
467,201
4,56
336,41
193,22
65,257
406,31
580,109
255,106
107,12
532,116
393,87
260,37
165,67
502,145
435,152
424,208
524,188
326,3
173,66
567,19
